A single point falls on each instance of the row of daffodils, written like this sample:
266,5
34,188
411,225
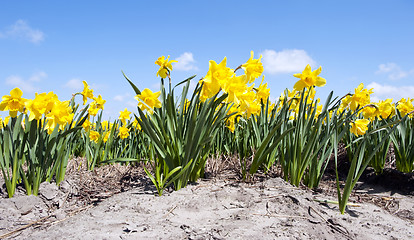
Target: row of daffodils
226,114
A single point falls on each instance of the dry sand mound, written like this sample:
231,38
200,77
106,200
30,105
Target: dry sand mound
220,209
120,203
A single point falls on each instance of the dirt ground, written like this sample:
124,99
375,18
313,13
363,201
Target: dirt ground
119,202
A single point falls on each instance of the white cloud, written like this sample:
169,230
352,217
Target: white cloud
29,85
132,104
38,76
286,61
20,29
393,71
381,92
25,86
74,84
121,98
185,62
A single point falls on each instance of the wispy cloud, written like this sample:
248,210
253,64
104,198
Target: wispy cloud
132,104
29,85
286,61
74,84
383,91
21,30
38,76
393,71
121,98
185,62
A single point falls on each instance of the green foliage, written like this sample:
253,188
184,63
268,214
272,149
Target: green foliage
403,141
306,150
181,135
44,156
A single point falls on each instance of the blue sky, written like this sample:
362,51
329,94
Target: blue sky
54,45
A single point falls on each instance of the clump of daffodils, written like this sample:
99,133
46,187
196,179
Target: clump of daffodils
246,99
45,107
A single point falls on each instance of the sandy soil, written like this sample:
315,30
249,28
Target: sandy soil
124,205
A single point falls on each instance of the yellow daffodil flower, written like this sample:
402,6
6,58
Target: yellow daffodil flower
165,66
106,136
86,93
124,115
252,108
150,99
136,125
216,76
94,136
235,87
14,103
86,125
106,125
309,78
360,98
123,132
386,109
370,111
263,93
93,109
41,104
359,127
405,106
253,68
61,114
99,102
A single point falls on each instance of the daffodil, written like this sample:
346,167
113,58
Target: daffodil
147,100
94,136
231,121
262,93
41,104
61,114
252,108
283,98
253,68
124,115
123,132
310,94
86,125
235,87
359,126
371,111
216,76
309,78
186,104
106,136
93,109
360,98
87,92
405,106
14,103
165,66
318,110
99,102
386,109
344,103
136,125
105,125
